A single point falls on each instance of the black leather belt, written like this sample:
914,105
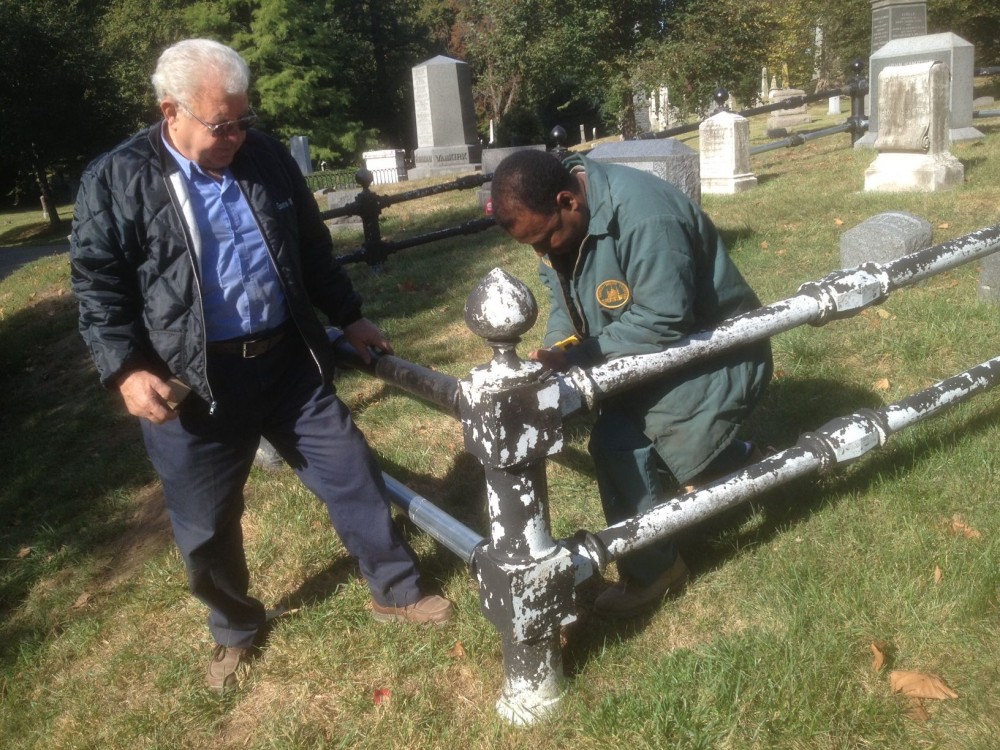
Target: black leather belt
250,347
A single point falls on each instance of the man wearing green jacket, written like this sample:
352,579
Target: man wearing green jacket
633,266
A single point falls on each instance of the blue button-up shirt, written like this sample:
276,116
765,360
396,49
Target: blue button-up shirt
241,292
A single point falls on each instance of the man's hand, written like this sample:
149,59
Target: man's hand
552,359
363,334
146,396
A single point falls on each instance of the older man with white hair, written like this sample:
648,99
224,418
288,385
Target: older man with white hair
198,260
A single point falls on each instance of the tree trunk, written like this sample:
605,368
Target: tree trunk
45,193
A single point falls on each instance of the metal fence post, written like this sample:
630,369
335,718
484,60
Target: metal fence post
511,421
858,89
369,209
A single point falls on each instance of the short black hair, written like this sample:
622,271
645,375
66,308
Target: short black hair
531,179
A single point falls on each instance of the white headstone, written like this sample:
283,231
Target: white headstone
387,166
724,151
912,144
834,106
884,238
948,48
447,141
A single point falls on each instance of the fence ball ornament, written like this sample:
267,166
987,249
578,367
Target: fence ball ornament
500,309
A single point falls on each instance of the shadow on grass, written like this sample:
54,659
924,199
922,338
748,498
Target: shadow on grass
70,456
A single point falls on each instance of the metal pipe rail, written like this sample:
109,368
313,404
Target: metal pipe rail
839,441
839,295
378,253
437,387
364,178
797,139
446,529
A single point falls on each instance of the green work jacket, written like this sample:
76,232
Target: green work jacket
651,271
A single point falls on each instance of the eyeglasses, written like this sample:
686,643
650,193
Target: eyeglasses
223,129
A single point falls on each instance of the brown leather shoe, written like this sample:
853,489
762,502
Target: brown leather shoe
433,610
628,599
224,665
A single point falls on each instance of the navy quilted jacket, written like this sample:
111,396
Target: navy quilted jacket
135,267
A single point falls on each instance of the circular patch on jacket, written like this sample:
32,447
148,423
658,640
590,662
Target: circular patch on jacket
613,294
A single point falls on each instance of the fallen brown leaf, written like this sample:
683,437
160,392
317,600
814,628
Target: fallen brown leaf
82,600
938,574
382,695
943,225
838,222
884,314
920,685
764,245
23,553
457,651
878,655
959,525
882,385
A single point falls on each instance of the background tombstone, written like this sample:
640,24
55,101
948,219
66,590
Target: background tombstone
950,49
884,238
491,158
724,154
299,146
897,19
912,144
782,119
387,166
667,158
447,142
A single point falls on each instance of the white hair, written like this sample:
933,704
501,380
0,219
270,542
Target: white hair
185,67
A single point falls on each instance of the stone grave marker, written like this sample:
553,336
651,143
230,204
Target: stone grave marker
884,238
913,142
724,140
948,48
667,158
447,142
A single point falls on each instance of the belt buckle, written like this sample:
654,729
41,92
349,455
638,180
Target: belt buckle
247,353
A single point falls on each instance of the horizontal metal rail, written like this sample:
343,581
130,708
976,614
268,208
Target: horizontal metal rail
446,529
389,247
840,441
797,139
356,207
839,295
423,382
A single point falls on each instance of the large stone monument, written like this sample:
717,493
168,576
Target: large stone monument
912,144
447,142
667,158
724,153
950,49
897,19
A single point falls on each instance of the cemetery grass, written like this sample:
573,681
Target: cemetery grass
770,647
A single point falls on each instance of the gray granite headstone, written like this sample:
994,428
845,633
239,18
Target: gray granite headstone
667,158
338,199
897,19
948,48
884,238
491,159
989,279
447,142
299,146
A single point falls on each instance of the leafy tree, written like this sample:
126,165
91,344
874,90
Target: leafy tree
56,94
